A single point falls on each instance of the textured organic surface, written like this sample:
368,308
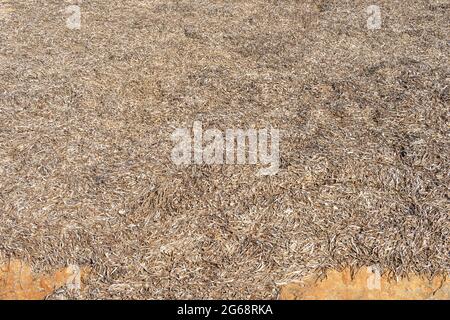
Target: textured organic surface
86,117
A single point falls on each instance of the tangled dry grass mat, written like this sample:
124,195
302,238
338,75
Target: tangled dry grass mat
86,114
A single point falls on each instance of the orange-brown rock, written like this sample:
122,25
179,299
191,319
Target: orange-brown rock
17,282
366,284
